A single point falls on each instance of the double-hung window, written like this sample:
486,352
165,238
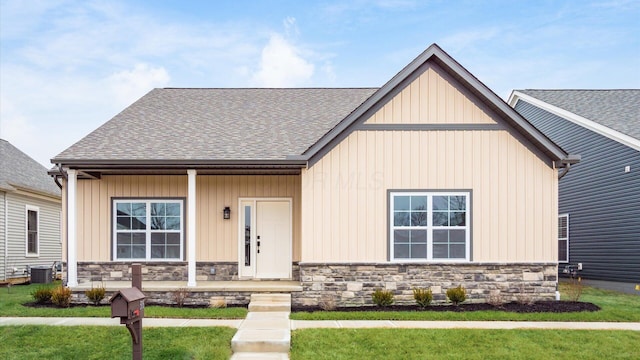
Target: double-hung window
429,226
148,229
563,238
32,226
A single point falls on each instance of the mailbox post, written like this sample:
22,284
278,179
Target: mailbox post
128,305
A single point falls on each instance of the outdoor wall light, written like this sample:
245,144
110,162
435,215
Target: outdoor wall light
226,213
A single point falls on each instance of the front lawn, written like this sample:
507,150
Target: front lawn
614,306
463,344
13,298
109,342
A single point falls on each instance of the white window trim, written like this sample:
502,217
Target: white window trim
567,238
147,232
26,231
430,226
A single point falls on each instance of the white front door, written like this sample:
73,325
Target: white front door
265,239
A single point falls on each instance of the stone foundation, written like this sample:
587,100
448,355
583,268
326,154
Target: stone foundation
193,298
162,271
353,284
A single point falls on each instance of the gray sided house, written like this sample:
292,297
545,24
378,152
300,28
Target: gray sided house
429,181
599,199
30,211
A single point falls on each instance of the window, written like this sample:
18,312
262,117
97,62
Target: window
148,229
563,238
32,227
429,226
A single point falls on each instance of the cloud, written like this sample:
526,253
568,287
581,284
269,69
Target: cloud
128,85
282,65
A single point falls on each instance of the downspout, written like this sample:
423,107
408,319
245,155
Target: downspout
6,234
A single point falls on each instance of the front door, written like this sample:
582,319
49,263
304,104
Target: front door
265,239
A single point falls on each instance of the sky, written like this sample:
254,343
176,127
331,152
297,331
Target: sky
67,67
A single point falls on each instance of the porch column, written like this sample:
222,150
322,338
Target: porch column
72,259
191,227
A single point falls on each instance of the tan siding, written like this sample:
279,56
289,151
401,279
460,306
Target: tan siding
216,239
514,193
432,98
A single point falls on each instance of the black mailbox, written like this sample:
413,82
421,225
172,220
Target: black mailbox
128,305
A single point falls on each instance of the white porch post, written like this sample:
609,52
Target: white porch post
191,227
72,259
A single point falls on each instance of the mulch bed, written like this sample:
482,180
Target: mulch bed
537,307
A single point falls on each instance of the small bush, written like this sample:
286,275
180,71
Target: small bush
574,289
61,296
180,296
457,295
524,298
327,303
95,295
382,297
42,295
495,299
422,296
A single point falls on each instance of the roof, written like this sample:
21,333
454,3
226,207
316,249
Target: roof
220,124
613,113
245,127
18,170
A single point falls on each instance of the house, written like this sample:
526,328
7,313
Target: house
429,181
30,209
599,200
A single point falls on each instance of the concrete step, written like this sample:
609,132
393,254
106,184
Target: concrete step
261,341
259,356
271,297
270,302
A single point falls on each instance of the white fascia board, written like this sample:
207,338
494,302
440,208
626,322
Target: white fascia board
577,119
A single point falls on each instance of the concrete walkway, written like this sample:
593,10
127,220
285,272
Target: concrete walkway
347,324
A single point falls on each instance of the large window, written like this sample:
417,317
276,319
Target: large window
429,226
563,238
148,229
32,228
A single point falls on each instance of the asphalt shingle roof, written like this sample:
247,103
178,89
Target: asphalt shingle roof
615,109
219,124
18,169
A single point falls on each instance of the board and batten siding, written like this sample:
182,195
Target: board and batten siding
216,239
513,193
603,202
49,241
513,190
432,98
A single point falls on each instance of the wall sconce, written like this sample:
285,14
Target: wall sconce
226,213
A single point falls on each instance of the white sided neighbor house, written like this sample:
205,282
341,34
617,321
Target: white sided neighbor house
30,211
429,181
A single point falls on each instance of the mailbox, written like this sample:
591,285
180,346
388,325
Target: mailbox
128,305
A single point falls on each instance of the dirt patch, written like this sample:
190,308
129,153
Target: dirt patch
537,307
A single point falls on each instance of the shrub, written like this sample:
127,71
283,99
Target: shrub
523,297
457,295
42,295
495,299
574,289
382,297
180,296
61,296
327,303
422,296
95,295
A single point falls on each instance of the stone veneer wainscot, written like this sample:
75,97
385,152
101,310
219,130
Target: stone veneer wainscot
353,284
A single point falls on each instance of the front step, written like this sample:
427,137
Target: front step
270,302
268,341
259,356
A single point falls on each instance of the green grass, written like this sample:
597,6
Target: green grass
614,306
13,298
463,344
94,342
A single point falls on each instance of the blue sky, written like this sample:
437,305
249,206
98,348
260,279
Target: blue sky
66,67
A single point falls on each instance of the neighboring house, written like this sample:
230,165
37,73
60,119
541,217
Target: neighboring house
30,210
599,200
429,181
